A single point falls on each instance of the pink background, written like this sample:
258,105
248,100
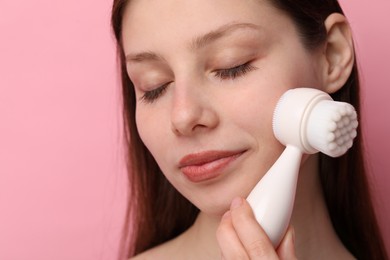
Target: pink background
61,168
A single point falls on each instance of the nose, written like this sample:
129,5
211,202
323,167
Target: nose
192,112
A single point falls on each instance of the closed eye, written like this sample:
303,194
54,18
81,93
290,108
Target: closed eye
152,95
235,72
230,73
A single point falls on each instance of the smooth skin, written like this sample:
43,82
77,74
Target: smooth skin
207,76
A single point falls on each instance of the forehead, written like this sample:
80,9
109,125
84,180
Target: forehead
150,24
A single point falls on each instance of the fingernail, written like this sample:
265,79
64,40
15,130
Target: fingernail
291,234
237,202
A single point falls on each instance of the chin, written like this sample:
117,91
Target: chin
217,201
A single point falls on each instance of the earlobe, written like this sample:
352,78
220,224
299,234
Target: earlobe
338,53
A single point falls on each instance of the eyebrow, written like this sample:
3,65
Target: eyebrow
197,43
220,32
143,56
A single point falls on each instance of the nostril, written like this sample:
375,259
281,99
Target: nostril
192,111
202,120
184,119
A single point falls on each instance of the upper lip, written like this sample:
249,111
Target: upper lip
205,157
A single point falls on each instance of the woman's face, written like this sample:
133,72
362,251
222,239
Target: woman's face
207,77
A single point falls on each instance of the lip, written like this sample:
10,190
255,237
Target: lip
207,165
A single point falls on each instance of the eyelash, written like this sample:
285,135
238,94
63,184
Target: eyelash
231,73
152,95
234,72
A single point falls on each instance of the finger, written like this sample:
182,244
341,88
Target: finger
249,231
229,243
286,249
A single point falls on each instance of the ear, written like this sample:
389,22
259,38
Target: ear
338,53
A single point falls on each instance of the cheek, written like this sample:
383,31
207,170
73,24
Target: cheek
297,69
255,116
253,106
251,111
150,127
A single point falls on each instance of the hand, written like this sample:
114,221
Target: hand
240,236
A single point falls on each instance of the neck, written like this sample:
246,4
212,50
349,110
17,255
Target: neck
201,238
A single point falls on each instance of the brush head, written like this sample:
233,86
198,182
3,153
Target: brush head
310,120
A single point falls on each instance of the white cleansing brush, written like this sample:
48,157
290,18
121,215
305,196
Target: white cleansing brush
306,121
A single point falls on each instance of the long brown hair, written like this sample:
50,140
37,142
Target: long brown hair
157,212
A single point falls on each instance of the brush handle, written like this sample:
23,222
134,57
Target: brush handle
272,199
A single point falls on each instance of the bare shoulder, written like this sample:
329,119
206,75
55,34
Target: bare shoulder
154,253
168,250
149,254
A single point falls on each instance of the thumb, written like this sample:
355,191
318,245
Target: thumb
286,249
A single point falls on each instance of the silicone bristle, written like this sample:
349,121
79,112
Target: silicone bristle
278,113
310,120
291,114
331,127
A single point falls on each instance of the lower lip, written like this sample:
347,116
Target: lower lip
208,171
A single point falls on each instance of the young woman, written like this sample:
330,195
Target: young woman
200,83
